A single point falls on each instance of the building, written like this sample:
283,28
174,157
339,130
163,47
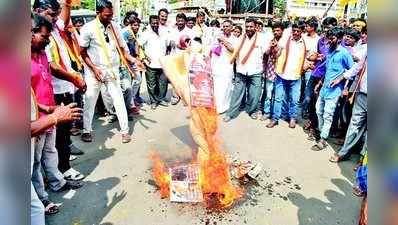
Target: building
313,8
319,7
359,9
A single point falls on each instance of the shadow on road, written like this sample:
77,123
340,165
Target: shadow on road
315,211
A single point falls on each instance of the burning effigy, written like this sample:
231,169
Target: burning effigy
207,178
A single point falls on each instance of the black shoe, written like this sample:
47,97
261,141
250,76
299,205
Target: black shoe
87,137
175,100
164,103
75,151
71,185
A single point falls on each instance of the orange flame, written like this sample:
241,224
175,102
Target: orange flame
214,174
214,178
160,174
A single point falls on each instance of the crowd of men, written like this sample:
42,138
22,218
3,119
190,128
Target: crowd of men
310,69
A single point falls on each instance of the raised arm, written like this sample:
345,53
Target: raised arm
65,12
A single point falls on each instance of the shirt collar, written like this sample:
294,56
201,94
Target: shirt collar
300,40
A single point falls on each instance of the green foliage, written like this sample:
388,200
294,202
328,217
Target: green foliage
87,4
280,7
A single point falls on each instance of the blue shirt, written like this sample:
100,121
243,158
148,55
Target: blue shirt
130,43
337,62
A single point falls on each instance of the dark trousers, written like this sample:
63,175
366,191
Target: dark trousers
253,84
309,101
78,98
157,84
63,141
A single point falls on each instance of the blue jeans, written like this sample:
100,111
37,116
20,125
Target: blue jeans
307,76
127,89
46,155
325,109
253,84
36,208
290,89
357,128
269,97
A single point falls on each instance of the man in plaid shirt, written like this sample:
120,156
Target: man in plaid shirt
270,75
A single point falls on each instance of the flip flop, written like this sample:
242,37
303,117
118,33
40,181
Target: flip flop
357,192
335,158
50,208
318,147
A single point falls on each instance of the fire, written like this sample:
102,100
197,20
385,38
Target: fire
159,173
214,178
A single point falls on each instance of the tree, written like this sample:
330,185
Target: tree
87,4
280,7
140,6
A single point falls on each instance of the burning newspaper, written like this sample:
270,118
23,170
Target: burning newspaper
184,185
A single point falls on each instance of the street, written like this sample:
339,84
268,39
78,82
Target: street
303,187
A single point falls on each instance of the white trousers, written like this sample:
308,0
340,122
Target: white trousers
113,88
222,91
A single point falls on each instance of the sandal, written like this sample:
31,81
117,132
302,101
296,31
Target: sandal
311,137
335,158
358,192
50,208
321,145
264,117
72,174
307,125
74,131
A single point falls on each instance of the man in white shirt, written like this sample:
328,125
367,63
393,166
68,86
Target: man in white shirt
223,70
154,46
289,68
180,30
200,29
311,39
102,49
249,67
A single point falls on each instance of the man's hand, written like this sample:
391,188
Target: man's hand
79,82
98,75
320,57
336,81
274,43
67,113
146,61
140,65
345,92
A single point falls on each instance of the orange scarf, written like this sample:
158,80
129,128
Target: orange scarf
72,46
235,54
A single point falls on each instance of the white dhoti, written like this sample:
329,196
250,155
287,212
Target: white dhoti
222,90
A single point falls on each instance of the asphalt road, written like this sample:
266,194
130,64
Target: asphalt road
301,186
